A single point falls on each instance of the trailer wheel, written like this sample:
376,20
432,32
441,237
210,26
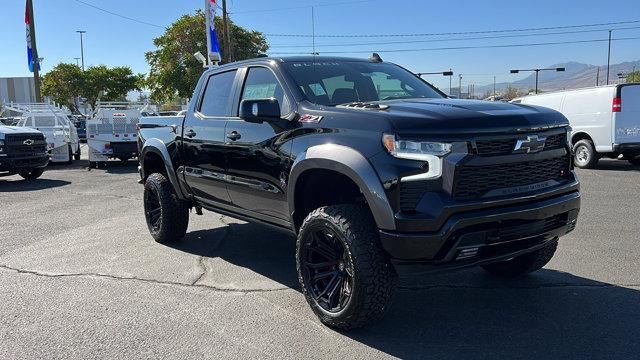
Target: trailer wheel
70,151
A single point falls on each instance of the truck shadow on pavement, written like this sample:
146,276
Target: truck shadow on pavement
614,165
465,314
32,185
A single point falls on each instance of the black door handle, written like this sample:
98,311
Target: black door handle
234,135
190,133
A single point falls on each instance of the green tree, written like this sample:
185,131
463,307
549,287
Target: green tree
109,84
63,83
174,69
634,77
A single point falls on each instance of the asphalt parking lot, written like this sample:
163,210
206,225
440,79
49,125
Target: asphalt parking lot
80,277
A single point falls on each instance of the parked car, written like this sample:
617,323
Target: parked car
605,121
22,151
372,186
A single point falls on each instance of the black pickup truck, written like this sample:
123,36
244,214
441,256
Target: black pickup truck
22,151
375,172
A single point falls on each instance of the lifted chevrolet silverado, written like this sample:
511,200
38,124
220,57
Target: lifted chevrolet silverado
377,173
22,151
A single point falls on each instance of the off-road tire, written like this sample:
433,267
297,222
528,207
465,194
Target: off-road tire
173,213
589,151
523,264
374,277
70,151
31,174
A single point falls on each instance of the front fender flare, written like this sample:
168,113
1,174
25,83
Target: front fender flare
159,148
353,164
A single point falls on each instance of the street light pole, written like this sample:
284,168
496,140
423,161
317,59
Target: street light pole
537,71
81,47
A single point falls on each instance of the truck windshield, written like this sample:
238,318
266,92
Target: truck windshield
340,82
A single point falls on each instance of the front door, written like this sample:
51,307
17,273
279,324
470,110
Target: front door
258,157
203,140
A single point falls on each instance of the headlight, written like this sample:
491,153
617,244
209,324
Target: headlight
427,151
1,146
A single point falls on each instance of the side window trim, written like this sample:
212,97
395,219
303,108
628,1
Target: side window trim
203,89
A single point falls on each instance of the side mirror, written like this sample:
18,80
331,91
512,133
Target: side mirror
258,110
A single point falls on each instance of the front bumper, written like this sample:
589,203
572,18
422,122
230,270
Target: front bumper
15,164
484,235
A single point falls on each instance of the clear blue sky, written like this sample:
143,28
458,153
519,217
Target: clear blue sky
112,40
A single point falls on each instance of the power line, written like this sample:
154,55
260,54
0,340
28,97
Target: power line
300,7
462,47
452,39
459,33
119,15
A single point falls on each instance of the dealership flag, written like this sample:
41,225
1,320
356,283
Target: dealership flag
27,22
214,48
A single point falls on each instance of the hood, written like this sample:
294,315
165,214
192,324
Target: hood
17,130
455,116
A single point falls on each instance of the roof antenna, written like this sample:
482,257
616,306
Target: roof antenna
375,58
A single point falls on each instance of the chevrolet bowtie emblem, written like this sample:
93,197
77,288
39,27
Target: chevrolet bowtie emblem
531,144
28,142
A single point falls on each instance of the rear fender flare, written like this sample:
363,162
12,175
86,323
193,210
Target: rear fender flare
159,148
355,166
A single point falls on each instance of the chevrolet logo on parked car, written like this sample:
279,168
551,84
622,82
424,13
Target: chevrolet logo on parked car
28,142
532,144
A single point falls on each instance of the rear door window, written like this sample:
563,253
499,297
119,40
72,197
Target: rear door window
215,101
630,98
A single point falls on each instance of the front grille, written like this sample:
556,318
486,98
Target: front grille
495,147
475,181
15,147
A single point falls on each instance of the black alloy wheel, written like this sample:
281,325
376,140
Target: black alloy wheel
328,269
153,210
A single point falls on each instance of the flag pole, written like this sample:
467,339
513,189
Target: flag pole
31,28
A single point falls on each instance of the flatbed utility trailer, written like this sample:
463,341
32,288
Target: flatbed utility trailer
53,121
111,131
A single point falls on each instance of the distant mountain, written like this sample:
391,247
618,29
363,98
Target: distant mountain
576,75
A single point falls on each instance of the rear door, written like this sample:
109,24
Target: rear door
203,139
258,163
627,121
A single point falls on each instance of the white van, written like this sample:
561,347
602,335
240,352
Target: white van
61,134
605,120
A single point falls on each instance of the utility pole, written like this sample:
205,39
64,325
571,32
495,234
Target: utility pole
494,87
81,47
450,76
228,52
313,30
34,50
609,57
459,86
598,77
77,61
